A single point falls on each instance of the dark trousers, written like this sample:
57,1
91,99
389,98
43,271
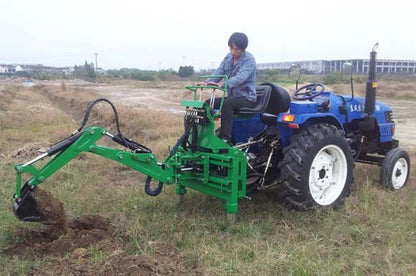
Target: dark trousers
230,106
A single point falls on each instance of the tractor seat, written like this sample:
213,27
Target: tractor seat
263,96
271,100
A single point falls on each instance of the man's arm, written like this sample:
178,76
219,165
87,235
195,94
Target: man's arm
246,69
220,71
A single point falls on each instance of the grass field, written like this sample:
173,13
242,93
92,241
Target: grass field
373,233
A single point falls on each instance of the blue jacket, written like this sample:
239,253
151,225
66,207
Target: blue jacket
241,77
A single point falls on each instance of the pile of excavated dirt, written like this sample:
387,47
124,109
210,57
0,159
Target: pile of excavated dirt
29,151
118,262
71,254
87,245
80,232
53,209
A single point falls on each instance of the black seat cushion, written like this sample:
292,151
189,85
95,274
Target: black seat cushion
263,96
279,99
271,99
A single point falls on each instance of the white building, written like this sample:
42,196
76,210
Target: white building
386,66
3,69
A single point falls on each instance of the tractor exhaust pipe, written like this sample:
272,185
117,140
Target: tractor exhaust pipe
370,92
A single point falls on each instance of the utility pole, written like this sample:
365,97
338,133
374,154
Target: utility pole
96,64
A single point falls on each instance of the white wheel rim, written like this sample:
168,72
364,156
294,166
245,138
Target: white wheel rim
327,175
399,173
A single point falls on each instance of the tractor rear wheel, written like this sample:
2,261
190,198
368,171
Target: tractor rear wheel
395,169
317,168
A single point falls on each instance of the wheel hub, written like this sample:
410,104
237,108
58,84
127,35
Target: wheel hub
399,175
322,173
327,175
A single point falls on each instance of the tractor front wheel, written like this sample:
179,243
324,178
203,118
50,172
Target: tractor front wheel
317,168
395,169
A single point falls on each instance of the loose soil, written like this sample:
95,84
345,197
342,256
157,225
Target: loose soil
87,245
53,210
117,263
29,151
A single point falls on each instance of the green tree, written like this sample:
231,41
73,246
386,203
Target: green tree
85,71
186,71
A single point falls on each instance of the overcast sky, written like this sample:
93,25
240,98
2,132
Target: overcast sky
153,34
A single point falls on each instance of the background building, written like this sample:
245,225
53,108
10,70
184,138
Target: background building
360,66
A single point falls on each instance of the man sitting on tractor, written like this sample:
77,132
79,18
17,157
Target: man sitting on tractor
240,67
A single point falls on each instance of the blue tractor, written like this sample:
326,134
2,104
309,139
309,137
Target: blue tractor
308,146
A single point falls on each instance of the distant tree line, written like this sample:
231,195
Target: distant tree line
87,72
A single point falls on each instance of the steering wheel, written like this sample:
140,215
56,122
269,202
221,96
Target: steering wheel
308,91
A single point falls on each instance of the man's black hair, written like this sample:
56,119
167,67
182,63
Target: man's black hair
240,40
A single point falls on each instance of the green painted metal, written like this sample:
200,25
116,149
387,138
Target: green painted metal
195,88
143,162
189,103
214,167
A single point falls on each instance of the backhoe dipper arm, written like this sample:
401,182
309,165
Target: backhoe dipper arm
144,162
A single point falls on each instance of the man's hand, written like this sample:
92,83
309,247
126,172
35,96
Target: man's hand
210,83
214,83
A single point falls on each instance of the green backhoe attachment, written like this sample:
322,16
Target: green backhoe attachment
199,160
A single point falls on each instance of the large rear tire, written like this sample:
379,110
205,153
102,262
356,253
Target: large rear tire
317,168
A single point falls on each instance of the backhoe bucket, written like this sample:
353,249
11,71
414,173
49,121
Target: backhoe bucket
31,207
26,208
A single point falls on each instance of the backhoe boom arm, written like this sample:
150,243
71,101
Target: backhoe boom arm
143,162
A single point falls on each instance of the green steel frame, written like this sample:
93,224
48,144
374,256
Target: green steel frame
213,168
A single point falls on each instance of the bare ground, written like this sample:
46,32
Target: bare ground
71,244
404,113
147,98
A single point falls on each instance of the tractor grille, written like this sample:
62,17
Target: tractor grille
385,130
389,116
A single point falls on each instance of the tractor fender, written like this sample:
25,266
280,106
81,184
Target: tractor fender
311,119
302,121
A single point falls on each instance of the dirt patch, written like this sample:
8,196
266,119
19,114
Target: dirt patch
80,233
72,253
87,245
53,210
405,117
41,107
161,99
90,222
29,151
118,262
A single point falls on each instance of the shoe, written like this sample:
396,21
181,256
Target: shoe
226,140
218,131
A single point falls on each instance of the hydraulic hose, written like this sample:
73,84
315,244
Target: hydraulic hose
119,138
87,115
154,192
